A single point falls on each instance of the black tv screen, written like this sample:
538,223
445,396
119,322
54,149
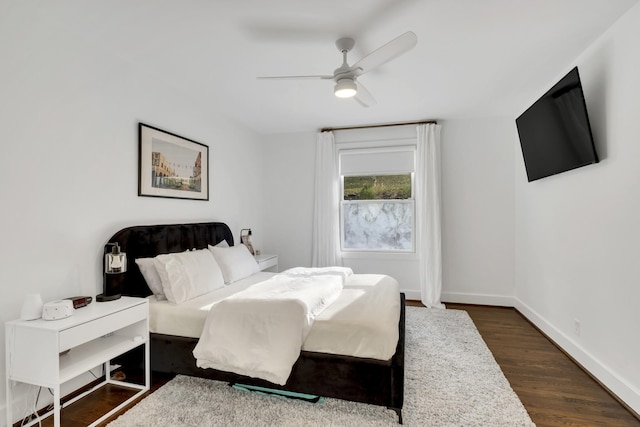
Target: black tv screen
555,135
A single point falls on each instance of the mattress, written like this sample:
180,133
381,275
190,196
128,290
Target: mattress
362,322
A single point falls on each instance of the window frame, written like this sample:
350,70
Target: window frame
382,253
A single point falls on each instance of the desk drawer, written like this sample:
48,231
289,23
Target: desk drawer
96,328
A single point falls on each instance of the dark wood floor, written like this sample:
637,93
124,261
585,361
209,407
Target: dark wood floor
553,389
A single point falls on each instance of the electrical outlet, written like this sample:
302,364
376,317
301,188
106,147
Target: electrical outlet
576,327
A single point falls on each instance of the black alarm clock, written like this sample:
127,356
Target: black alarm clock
80,301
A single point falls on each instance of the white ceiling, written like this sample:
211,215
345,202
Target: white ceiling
473,58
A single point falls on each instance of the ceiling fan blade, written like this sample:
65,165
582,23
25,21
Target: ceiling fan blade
296,77
385,53
363,96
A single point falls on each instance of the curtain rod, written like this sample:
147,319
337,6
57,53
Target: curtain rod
425,122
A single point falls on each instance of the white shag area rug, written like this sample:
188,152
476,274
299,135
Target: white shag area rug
451,379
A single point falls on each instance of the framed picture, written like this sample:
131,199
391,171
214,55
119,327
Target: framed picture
171,166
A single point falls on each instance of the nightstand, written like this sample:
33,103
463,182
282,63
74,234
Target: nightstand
48,353
267,262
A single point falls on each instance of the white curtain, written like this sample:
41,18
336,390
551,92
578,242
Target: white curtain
428,212
326,244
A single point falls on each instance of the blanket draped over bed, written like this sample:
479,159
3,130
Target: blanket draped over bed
259,332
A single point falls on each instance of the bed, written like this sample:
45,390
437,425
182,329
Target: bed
359,379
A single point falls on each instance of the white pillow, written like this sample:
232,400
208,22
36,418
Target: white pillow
187,275
235,262
222,244
150,273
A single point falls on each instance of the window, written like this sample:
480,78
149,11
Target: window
377,202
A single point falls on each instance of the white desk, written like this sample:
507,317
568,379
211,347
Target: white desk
267,262
36,350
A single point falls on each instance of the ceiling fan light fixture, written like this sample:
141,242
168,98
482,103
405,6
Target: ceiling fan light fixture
345,88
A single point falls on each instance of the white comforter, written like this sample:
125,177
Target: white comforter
259,332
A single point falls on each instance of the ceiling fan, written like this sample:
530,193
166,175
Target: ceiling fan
346,75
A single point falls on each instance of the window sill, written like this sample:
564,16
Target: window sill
404,256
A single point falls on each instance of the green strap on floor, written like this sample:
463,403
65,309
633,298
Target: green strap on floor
279,393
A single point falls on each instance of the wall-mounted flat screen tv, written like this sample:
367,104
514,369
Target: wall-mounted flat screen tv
555,135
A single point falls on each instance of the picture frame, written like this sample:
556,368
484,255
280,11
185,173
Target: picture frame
171,166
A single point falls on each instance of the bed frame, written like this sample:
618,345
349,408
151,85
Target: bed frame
343,377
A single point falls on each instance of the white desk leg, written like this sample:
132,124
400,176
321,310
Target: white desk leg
56,406
9,402
147,364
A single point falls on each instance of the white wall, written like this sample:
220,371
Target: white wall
577,232
478,211
68,129
288,184
478,203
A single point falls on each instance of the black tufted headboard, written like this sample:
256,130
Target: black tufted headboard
145,241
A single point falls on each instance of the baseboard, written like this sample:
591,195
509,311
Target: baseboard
412,295
480,299
626,393
464,298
